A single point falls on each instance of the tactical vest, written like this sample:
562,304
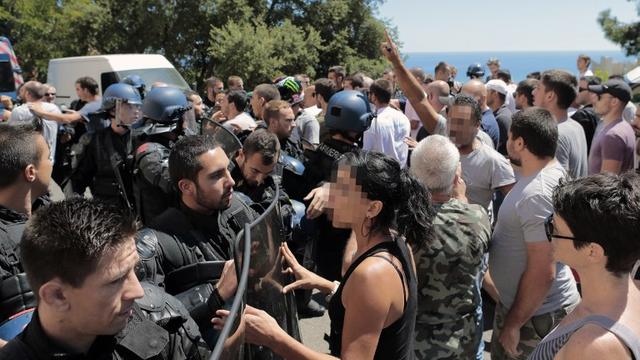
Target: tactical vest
152,187
15,292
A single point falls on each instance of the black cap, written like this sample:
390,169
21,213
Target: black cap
616,88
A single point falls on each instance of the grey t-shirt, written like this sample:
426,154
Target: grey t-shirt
521,222
485,170
22,114
572,148
307,126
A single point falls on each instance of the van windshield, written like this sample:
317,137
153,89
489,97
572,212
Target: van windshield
6,77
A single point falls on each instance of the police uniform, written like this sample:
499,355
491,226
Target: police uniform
160,328
106,168
152,187
450,271
185,251
329,242
15,293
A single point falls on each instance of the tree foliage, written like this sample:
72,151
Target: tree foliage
256,39
627,35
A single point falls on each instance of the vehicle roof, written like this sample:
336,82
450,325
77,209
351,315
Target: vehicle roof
120,61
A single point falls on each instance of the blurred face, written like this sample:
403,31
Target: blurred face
257,102
494,68
224,106
581,64
512,151
50,95
83,94
492,98
253,169
44,167
348,85
214,185
212,91
463,128
283,125
238,85
198,108
540,95
520,100
347,203
584,96
104,303
127,114
604,104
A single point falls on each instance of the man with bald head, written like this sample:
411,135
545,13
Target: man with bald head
438,125
476,89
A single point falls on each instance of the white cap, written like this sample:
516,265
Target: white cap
498,86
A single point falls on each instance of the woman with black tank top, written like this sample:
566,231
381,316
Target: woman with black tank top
595,231
373,309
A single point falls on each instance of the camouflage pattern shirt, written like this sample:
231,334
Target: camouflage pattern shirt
449,272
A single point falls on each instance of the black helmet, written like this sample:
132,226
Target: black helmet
348,110
118,91
165,105
475,71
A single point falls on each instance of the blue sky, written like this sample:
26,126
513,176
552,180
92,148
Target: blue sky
503,25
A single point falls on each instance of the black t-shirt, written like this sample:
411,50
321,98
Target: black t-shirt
589,120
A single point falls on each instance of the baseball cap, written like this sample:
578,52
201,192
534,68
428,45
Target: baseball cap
498,86
616,88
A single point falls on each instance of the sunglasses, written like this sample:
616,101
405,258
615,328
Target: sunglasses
50,94
549,229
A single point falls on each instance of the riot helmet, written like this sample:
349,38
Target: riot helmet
166,107
475,71
135,81
348,111
125,102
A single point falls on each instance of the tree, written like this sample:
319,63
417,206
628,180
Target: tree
627,35
256,39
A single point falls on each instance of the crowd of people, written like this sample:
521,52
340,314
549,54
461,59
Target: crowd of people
424,209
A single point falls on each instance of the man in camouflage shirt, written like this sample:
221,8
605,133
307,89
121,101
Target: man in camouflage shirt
450,269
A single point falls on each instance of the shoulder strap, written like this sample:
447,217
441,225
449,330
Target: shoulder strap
404,291
113,159
628,336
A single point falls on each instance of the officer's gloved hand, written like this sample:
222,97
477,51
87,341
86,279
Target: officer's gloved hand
228,282
319,198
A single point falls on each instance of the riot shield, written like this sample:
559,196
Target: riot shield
227,139
260,281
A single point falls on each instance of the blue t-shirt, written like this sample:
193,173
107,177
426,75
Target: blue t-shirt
490,126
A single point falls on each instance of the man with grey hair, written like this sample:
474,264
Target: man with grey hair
449,324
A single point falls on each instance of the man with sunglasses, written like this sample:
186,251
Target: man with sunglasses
613,146
534,292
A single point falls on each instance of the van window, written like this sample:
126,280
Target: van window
165,75
7,83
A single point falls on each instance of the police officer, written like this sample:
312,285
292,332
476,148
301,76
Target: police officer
190,244
25,172
105,164
348,116
167,116
137,82
79,256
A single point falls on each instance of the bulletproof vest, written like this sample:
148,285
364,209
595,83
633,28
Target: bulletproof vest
15,292
321,160
161,326
109,157
152,187
195,261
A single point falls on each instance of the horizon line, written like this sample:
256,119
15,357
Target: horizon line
513,51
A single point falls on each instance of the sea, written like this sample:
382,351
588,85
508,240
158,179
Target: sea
519,63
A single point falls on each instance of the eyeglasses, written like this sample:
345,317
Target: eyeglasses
50,94
549,229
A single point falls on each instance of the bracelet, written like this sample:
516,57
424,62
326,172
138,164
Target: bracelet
333,292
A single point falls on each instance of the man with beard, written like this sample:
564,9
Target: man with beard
200,230
534,292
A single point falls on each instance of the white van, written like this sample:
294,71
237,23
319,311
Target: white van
109,69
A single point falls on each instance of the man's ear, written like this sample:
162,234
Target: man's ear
30,173
54,293
187,187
